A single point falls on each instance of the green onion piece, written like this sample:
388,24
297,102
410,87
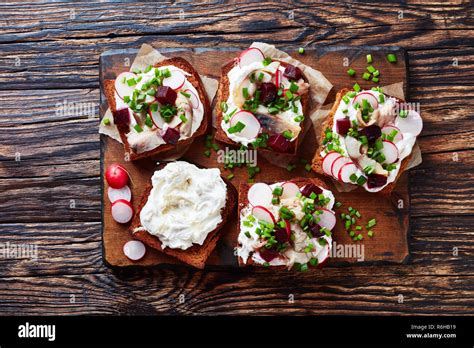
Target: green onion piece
207,153
307,167
288,134
183,118
106,121
301,50
126,99
370,233
187,95
260,77
361,180
313,261
154,107
371,69
230,176
138,128
290,167
148,121
351,233
391,58
224,107
375,79
376,73
267,61
299,118
403,113
371,223
360,237
293,87
304,267
381,98
369,58
237,128
358,228
366,76
245,92
275,200
247,234
131,82
346,99
338,204
351,72
277,191
356,87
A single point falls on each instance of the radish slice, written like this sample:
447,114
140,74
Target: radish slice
411,124
328,160
134,250
252,126
175,81
121,86
260,194
390,151
337,164
122,211
290,190
193,99
346,171
263,214
122,193
250,55
323,255
370,98
278,76
388,129
288,229
353,147
156,118
327,219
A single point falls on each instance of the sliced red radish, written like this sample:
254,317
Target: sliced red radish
327,219
121,86
369,97
252,126
175,81
116,176
122,193
389,129
193,99
337,164
353,147
156,118
288,229
324,254
346,171
278,76
328,160
260,194
134,250
250,55
411,124
263,214
290,190
122,211
390,151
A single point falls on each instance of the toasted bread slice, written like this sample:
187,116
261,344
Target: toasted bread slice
328,123
164,150
223,95
196,255
243,202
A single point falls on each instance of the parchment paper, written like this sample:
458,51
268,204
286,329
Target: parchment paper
146,56
318,117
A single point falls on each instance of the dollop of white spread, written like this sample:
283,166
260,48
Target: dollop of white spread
296,254
237,75
184,205
404,145
150,138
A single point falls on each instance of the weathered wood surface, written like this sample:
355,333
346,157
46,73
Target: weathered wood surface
59,158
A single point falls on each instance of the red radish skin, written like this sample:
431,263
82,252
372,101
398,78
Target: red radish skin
388,129
193,99
123,89
323,256
263,214
327,219
252,126
260,194
290,190
134,250
116,176
122,193
336,166
328,160
278,76
346,171
122,211
249,56
390,152
370,98
288,229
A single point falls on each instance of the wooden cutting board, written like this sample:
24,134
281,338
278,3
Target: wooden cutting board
392,213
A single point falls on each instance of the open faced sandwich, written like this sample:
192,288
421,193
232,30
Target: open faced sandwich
367,139
183,210
262,103
158,108
285,224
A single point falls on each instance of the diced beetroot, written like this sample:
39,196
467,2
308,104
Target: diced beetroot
372,133
316,231
121,117
310,188
170,135
166,95
343,125
376,180
281,235
268,254
278,143
268,92
292,72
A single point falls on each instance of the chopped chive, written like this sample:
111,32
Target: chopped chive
290,167
352,233
247,234
358,228
360,237
381,98
391,58
187,95
403,113
371,69
207,153
346,99
230,176
370,233
131,82
313,261
361,180
376,73
245,92
375,79
366,76
267,61
356,87
237,128
301,50
288,134
275,200
299,118
351,72
307,167
353,177
338,204
224,107
369,58
148,122
371,223
106,121
138,128
278,190
215,146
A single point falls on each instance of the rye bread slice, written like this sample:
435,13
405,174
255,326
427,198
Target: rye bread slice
222,96
243,202
328,123
164,150
195,255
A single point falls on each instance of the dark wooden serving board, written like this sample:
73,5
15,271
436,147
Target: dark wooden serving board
392,212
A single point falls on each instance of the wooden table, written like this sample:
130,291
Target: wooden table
49,169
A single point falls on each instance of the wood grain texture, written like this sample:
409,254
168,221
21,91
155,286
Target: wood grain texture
59,60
